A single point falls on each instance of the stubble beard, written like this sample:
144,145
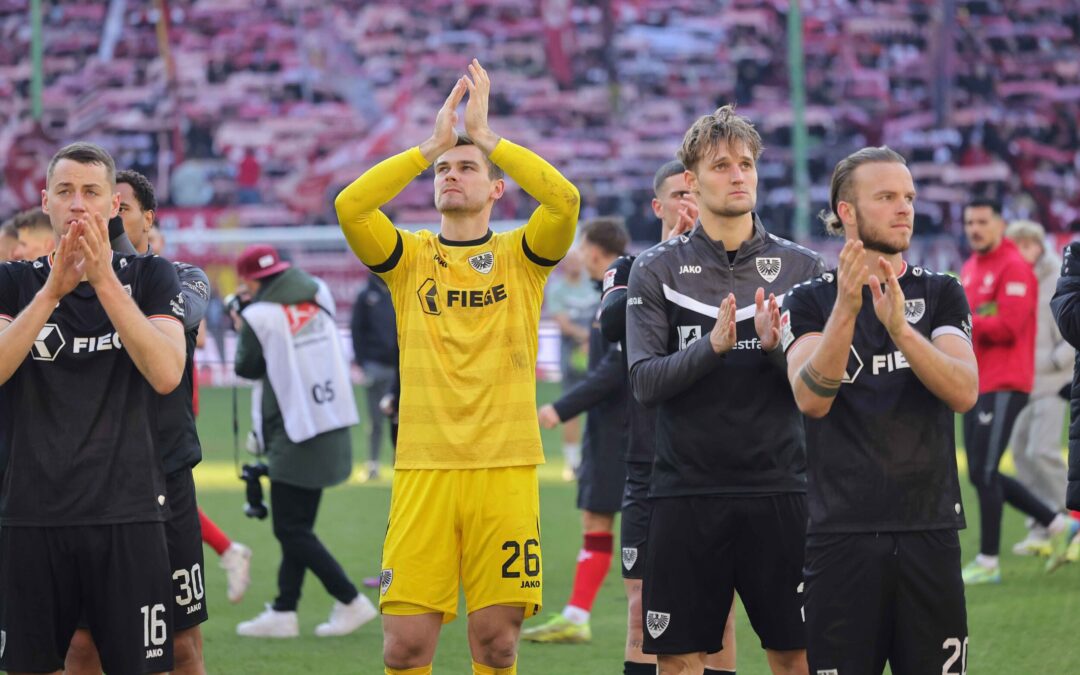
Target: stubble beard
874,243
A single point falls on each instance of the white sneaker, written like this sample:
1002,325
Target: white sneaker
236,561
271,624
1037,543
344,619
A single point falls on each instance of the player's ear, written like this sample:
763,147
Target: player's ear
845,211
115,204
45,201
498,188
656,207
691,181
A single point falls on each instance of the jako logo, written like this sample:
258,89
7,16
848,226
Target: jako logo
690,269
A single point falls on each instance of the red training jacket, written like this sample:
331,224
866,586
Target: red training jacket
1003,292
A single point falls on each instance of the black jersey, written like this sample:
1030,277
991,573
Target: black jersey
884,457
5,428
178,437
83,447
725,424
641,421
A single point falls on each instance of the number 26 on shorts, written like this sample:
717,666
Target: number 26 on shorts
530,561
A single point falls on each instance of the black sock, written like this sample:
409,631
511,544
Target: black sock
631,668
725,672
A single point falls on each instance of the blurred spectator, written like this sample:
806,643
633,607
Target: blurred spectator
1036,438
1003,293
35,234
571,300
375,350
248,173
9,239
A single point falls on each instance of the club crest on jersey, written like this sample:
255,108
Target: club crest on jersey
914,310
688,335
482,262
386,577
48,343
768,268
629,557
657,623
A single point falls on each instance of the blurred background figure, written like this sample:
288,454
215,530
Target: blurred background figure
9,239
571,300
1036,438
1003,295
35,235
375,350
289,343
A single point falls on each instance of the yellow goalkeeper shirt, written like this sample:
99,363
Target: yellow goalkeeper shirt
467,314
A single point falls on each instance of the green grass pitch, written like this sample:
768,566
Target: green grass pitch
1028,624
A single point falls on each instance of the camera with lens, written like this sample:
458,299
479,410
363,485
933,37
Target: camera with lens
234,302
251,475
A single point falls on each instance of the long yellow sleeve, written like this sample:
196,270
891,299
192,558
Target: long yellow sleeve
550,230
371,235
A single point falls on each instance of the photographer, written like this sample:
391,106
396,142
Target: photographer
289,342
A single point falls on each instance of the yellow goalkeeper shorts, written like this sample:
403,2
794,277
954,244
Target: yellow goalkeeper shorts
481,526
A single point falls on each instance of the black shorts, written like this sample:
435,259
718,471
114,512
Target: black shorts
634,527
183,533
896,597
703,549
118,575
601,478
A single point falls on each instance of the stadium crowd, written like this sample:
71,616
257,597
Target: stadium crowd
261,110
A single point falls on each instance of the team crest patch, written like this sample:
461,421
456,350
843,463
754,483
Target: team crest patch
483,262
629,557
914,310
609,280
386,577
768,268
688,335
657,623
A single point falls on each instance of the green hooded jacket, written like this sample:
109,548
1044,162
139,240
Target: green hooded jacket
320,462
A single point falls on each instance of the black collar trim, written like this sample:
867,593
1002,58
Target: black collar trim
472,242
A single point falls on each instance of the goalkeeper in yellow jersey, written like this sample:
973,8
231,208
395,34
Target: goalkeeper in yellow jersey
464,506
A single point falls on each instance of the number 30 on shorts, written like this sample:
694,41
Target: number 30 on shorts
530,560
191,585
